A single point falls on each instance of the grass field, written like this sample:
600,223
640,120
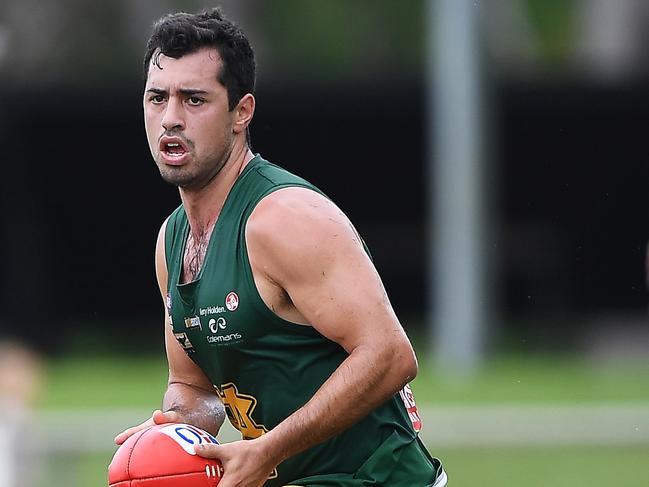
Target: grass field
496,467
113,383
118,382
544,467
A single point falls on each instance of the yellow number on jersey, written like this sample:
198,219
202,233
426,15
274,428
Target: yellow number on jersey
239,408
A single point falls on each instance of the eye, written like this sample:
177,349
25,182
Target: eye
195,101
157,99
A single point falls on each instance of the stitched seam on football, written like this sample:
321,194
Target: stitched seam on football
130,454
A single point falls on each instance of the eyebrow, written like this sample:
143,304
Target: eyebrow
182,91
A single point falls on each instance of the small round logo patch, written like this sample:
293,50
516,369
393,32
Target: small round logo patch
232,301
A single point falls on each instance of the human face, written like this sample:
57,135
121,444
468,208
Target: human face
188,124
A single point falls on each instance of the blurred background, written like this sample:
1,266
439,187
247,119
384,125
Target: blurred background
492,153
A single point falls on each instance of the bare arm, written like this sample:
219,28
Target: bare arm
190,396
189,393
319,261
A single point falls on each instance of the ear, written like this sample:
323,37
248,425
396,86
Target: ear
243,113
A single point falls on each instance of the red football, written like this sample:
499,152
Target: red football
163,456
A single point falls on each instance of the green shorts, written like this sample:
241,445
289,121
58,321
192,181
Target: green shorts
412,467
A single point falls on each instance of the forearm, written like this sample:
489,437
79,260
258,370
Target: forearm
365,380
195,406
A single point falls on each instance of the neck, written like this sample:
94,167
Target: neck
204,205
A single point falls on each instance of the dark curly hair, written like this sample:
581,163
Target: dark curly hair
178,34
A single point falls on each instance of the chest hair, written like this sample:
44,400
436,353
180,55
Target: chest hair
195,252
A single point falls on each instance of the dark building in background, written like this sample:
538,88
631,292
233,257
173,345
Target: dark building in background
82,201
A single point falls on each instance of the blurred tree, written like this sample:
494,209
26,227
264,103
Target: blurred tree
321,41
554,22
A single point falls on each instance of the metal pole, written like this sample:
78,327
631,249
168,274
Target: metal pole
7,453
457,293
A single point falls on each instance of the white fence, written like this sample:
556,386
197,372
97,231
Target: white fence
54,438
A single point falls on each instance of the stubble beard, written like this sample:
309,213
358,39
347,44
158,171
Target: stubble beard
196,174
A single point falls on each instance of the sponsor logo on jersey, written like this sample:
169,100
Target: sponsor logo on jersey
183,339
211,310
232,301
218,324
168,304
411,407
188,436
193,322
224,338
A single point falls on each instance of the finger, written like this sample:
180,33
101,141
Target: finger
208,451
124,435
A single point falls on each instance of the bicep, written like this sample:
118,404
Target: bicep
337,288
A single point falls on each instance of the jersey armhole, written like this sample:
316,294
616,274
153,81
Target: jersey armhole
170,235
258,301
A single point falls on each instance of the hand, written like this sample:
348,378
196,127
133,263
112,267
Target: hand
158,417
245,463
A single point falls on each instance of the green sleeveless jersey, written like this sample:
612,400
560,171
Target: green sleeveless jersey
264,368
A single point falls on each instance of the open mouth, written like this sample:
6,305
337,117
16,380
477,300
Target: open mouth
173,148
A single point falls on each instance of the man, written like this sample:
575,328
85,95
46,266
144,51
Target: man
271,298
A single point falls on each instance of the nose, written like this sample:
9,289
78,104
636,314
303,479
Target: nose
173,115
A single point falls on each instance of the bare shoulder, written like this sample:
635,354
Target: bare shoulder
160,258
296,236
160,242
295,209
298,215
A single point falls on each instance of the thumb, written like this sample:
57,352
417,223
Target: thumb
207,450
160,417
